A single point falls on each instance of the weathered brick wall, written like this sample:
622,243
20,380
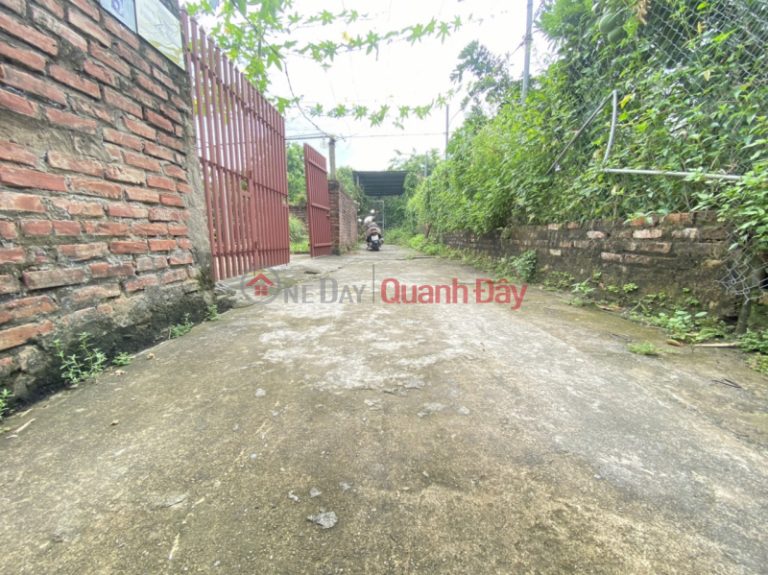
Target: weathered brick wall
344,232
676,252
100,204
299,212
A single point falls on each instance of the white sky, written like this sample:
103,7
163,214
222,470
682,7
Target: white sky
401,74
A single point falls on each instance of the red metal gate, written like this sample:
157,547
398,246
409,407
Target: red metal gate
241,144
318,203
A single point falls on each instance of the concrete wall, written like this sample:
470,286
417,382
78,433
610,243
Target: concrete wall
676,252
344,233
101,206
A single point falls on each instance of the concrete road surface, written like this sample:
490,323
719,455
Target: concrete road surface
420,438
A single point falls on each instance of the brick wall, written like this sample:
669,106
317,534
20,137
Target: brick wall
101,225
676,252
344,234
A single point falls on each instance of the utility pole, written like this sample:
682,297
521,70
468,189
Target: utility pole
332,157
528,42
447,126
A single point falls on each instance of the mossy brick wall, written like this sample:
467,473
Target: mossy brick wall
102,227
344,234
659,254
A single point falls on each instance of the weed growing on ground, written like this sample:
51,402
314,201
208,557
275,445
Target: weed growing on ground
644,348
5,395
181,329
86,362
212,313
122,358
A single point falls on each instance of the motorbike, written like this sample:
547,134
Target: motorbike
373,237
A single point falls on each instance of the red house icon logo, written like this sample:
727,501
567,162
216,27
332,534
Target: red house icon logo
261,285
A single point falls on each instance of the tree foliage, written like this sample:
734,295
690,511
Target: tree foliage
693,89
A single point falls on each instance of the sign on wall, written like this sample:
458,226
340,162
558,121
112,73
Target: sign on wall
123,10
153,21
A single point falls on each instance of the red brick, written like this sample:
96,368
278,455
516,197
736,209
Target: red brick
142,161
7,230
122,139
170,141
104,270
100,73
151,86
177,230
93,294
26,58
10,202
85,24
140,128
119,30
142,97
96,188
141,283
679,218
179,259
91,108
74,80
15,153
25,178
142,195
158,151
8,284
60,29
120,101
13,255
161,182
17,6
648,234
122,173
75,163
184,188
31,84
610,257
161,215
17,104
54,278
28,34
16,336
30,307
75,208
53,6
129,55
110,59
105,228
126,211
141,229
67,227
36,227
180,104
162,245
172,200
71,121
115,152
79,252
179,131
158,120
88,8
175,172
165,79
174,276
132,247
172,113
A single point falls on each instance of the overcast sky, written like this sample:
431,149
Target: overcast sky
400,75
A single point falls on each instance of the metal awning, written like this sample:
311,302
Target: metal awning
379,184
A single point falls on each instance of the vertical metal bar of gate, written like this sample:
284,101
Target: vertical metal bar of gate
318,203
241,146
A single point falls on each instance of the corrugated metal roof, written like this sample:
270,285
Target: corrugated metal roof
381,183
